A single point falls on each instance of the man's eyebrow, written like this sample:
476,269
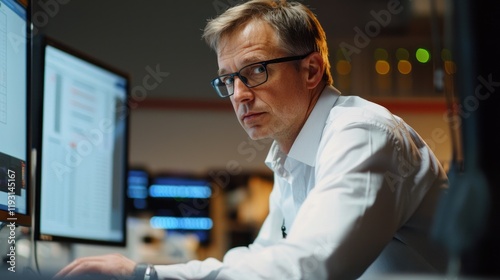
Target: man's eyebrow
221,72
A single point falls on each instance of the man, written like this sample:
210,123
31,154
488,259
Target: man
355,187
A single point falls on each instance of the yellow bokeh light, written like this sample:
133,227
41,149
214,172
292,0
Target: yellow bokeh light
450,67
404,67
382,67
343,67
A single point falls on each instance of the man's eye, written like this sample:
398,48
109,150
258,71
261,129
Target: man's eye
227,80
259,69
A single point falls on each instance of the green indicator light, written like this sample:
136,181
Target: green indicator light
402,54
446,55
422,55
340,55
381,54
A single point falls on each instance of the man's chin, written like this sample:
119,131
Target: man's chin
256,135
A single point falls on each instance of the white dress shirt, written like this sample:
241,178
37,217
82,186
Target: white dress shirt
356,193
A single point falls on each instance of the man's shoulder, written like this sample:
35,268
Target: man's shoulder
355,110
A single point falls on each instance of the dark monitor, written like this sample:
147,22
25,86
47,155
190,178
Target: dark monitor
137,191
14,113
82,174
181,205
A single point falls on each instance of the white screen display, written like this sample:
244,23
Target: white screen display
13,108
83,149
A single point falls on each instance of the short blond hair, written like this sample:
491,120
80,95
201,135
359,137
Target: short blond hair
298,30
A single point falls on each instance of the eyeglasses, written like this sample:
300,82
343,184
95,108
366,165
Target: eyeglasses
252,75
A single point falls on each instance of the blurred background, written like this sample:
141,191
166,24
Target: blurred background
382,50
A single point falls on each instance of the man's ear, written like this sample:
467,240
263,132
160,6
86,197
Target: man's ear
315,69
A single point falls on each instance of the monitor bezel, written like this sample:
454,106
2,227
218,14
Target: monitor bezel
25,219
43,41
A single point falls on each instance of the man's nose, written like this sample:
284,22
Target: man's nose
241,92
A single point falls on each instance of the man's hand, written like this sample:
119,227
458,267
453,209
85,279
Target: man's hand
113,264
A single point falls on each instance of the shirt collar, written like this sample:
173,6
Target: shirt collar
306,144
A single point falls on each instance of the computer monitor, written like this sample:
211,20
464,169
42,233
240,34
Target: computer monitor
181,204
137,191
83,154
14,113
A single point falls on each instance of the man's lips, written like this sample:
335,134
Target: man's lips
252,116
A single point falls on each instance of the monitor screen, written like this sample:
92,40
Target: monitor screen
181,204
137,191
14,113
84,146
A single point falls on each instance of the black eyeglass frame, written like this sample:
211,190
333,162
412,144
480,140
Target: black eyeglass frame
244,79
